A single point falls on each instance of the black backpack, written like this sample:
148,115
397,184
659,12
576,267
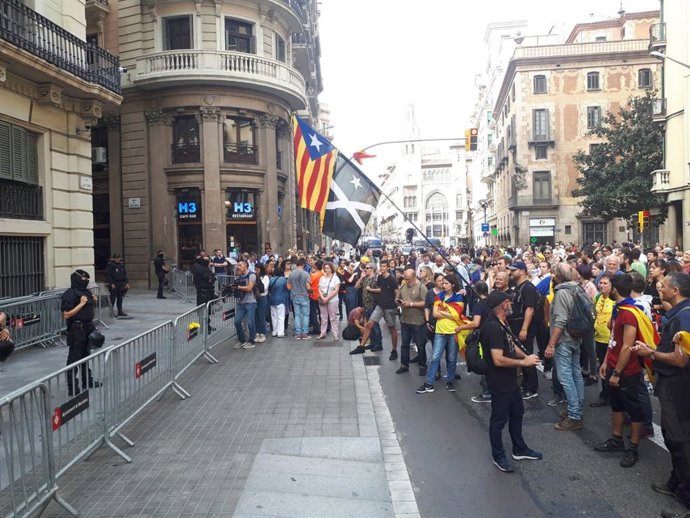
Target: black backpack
474,353
581,318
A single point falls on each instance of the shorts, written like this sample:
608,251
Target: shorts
625,398
387,314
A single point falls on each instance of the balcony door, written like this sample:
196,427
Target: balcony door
178,33
239,36
542,187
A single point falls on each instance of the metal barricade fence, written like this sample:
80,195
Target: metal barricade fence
77,400
221,313
27,475
139,371
223,280
183,284
37,320
190,330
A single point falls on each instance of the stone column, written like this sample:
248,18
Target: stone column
112,120
214,220
162,228
287,223
270,224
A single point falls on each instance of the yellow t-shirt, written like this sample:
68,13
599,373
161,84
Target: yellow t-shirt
604,309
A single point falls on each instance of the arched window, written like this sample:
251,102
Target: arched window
436,215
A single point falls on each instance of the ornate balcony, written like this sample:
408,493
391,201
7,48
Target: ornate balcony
240,154
661,181
185,154
27,30
657,37
659,110
516,202
221,68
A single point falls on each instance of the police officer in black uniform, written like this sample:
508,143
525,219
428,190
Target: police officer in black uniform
161,271
116,277
78,308
204,280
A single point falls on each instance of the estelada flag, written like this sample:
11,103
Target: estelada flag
351,202
315,159
646,333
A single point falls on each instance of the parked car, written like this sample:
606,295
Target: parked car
373,243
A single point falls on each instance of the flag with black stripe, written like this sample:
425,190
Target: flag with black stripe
351,202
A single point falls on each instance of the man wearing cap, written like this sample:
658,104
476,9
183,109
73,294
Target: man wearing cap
523,322
504,358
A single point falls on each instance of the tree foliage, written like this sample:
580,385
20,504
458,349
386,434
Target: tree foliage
616,178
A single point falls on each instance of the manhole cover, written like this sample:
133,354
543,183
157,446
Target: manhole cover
372,360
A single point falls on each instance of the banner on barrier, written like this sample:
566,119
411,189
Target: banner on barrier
145,365
70,410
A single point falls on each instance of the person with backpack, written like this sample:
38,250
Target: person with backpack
571,316
504,357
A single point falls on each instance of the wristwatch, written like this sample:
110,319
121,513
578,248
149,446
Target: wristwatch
614,372
652,355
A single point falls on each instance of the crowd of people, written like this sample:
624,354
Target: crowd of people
628,334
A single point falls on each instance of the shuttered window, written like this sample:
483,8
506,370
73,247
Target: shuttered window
18,154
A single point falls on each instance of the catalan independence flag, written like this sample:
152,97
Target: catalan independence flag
315,159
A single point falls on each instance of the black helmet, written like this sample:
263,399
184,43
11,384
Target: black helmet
96,339
6,348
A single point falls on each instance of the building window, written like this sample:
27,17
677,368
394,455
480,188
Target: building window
458,200
239,137
541,152
21,196
594,232
280,49
512,93
593,81
568,229
489,139
593,117
177,33
540,125
238,36
490,162
540,84
22,266
541,187
593,147
600,38
185,147
644,78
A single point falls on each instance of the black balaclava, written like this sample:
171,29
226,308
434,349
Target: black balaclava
78,281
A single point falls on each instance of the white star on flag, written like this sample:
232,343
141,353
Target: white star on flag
356,182
315,142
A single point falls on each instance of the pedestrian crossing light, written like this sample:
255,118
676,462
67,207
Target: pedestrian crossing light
643,219
471,139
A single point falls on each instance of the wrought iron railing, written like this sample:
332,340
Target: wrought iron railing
240,153
186,154
28,30
20,200
657,33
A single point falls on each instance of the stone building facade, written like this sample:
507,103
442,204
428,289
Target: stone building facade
53,88
198,156
550,97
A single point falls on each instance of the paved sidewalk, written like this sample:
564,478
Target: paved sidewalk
289,429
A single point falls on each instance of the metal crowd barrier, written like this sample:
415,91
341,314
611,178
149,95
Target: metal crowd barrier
27,476
221,313
49,426
183,284
140,370
37,319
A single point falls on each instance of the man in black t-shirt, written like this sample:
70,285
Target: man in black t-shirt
523,322
386,292
504,358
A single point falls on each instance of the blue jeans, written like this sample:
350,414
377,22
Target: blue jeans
248,311
300,305
443,343
570,376
375,338
261,314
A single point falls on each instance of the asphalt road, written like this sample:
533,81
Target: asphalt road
445,442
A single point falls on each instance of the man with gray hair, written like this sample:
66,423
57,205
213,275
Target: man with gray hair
566,348
612,265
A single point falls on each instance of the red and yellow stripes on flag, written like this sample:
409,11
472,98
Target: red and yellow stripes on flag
646,333
313,176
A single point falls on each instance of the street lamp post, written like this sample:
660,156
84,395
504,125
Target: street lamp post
664,57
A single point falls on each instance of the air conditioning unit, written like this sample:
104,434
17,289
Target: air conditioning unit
99,155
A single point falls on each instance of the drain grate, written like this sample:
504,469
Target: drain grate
372,360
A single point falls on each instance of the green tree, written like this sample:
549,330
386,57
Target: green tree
616,178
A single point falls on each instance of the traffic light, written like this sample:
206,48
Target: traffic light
471,139
643,219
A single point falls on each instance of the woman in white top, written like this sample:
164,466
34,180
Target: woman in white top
329,284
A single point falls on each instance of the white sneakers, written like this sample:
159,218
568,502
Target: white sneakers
260,338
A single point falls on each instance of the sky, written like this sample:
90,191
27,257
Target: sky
379,56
